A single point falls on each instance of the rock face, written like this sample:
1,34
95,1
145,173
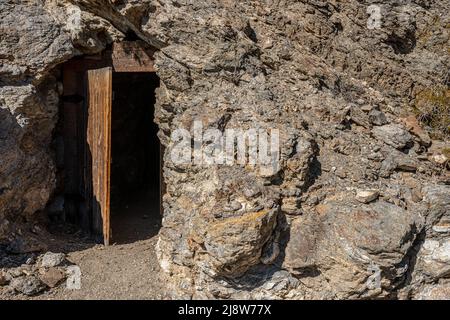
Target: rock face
324,73
369,244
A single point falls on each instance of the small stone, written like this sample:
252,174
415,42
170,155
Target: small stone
26,269
52,277
416,195
366,196
376,156
250,192
406,164
439,159
377,118
14,273
366,107
268,171
51,259
29,285
235,205
267,44
441,228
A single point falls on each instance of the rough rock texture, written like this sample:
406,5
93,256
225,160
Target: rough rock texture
335,89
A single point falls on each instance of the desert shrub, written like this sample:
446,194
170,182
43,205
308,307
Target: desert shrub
432,108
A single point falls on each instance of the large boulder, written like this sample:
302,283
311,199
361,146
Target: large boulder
370,244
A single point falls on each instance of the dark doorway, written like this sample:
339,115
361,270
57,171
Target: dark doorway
135,158
110,168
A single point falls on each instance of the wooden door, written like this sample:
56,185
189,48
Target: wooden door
98,149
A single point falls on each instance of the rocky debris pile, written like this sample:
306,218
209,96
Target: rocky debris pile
37,274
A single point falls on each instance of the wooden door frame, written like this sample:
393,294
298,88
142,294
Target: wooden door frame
127,56
98,149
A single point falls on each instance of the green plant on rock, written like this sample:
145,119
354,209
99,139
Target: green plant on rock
432,108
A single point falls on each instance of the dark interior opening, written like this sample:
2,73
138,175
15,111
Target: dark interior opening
135,166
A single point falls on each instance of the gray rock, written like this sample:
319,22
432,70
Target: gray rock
434,259
51,259
434,292
388,166
14,273
377,118
375,236
438,208
405,163
29,285
393,135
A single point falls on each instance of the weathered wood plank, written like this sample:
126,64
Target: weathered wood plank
99,83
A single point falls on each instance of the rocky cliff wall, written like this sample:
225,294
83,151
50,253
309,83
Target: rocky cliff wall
359,204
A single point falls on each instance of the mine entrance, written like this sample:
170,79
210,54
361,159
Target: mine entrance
112,165
135,155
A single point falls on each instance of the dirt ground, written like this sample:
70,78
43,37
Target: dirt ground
127,269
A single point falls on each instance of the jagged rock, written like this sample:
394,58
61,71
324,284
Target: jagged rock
405,163
366,196
434,292
434,259
438,209
431,254
51,259
393,135
413,126
52,277
377,118
439,152
29,285
14,273
235,255
373,237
